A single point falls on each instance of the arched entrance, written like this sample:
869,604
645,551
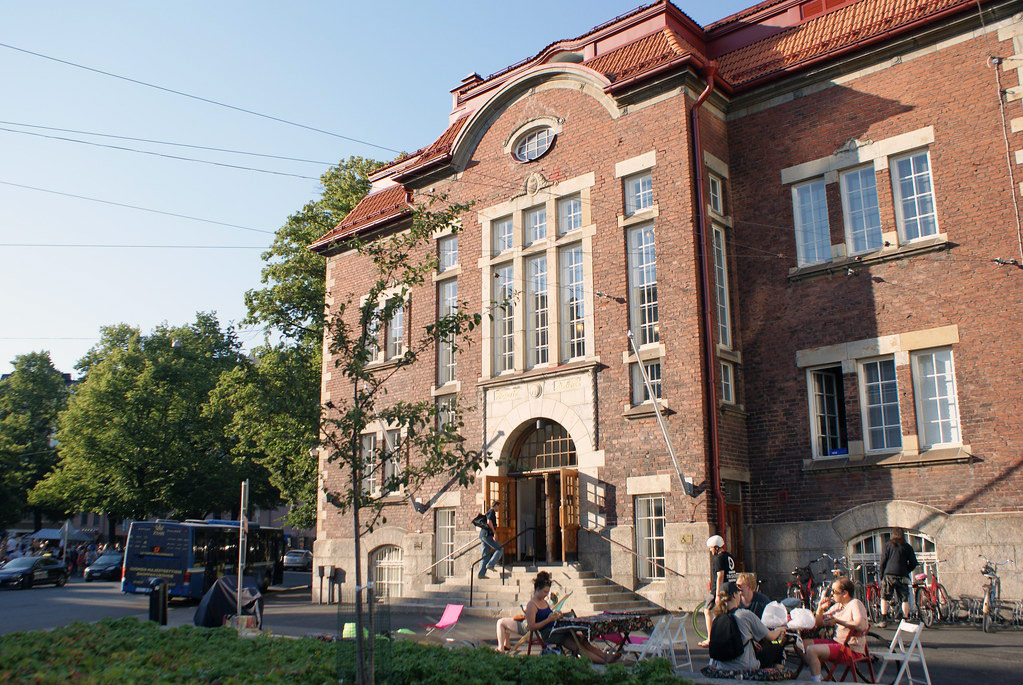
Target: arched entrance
539,498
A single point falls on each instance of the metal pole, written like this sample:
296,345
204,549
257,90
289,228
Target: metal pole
243,524
687,485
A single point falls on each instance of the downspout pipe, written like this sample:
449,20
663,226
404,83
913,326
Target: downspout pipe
709,353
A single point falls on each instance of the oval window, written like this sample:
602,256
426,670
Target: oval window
534,144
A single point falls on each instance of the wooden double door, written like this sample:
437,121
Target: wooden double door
538,514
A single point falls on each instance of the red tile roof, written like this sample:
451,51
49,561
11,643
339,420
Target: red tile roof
826,34
434,151
741,14
640,55
376,208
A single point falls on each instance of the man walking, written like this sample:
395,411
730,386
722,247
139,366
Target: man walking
722,571
897,562
488,535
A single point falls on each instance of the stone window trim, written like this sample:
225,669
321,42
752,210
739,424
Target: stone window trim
379,432
637,164
649,352
382,360
962,454
646,410
856,153
849,352
555,124
509,378
890,253
452,388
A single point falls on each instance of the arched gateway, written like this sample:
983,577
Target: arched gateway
538,494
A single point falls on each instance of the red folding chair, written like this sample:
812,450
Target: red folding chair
851,660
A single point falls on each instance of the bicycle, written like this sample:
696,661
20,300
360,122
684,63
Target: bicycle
871,592
992,607
803,586
932,599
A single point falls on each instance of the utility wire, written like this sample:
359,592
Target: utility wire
157,154
166,142
141,209
151,247
195,97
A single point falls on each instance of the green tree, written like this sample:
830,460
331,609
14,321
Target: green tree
135,441
429,442
30,400
273,407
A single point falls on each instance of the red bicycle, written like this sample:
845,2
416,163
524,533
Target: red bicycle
932,601
802,585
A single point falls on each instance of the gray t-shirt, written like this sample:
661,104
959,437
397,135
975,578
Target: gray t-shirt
751,628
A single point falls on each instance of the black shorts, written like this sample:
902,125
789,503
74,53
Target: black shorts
895,585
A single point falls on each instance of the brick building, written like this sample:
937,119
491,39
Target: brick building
828,331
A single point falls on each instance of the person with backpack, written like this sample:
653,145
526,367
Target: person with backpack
897,561
492,551
734,631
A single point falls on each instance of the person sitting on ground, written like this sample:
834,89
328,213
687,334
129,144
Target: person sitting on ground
751,599
542,618
751,628
849,617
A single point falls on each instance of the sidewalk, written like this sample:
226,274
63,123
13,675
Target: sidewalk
955,654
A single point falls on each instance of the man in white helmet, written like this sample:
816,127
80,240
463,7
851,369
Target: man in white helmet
722,571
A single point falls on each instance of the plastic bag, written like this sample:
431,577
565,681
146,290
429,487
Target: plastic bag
801,619
775,615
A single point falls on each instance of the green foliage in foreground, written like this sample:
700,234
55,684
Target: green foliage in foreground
129,651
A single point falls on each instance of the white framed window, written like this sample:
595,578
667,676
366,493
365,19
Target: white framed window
716,193
570,214
503,231
396,334
937,407
534,144
721,288
573,308
810,210
444,529
860,210
650,520
392,454
447,304
504,319
643,285
447,252
914,196
640,394
368,452
387,568
373,336
536,311
445,406
827,411
639,192
727,382
866,549
536,224
879,395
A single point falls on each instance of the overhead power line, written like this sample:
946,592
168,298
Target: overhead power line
166,142
195,97
141,209
157,154
151,247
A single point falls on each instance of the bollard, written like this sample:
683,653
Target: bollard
158,601
337,580
329,572
320,570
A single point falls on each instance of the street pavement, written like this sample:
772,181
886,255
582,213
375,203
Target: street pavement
955,654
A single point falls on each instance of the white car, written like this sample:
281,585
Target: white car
298,559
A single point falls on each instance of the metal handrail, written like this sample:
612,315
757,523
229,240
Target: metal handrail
632,552
504,564
457,553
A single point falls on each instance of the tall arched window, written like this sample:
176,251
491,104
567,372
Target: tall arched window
547,446
386,568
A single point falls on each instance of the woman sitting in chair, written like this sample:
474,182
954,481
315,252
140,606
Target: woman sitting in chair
541,618
849,617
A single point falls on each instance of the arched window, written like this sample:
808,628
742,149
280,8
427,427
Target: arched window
386,568
547,446
868,547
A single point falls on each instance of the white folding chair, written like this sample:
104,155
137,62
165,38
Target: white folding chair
658,644
680,637
900,652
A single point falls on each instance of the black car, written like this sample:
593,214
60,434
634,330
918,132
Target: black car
106,567
24,572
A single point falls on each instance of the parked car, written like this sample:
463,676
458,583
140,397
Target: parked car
24,572
298,559
106,567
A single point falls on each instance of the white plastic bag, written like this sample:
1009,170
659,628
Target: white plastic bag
801,619
775,615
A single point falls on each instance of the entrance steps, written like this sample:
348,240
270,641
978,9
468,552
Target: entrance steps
591,594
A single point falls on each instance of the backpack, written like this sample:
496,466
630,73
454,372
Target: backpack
480,521
726,643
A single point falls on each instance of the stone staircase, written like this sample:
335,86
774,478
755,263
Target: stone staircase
591,594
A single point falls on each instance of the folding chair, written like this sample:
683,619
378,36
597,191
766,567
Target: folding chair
449,620
898,651
530,639
851,662
680,637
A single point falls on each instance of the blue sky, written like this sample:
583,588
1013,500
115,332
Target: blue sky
379,72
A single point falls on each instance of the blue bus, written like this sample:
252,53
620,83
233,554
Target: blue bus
191,555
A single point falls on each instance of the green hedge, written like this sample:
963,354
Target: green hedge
129,651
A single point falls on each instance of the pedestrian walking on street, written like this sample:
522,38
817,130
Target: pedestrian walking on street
897,561
492,551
